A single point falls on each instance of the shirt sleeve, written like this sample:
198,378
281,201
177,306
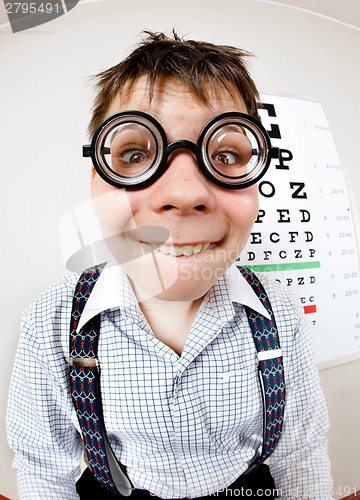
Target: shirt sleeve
40,431
300,465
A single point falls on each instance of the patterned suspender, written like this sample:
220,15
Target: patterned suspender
85,391
85,382
270,368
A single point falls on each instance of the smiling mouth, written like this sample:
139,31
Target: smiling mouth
179,251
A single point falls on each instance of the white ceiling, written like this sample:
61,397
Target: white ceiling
343,11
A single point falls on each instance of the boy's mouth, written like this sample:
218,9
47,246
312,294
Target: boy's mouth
184,250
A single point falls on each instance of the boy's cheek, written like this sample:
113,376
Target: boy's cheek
242,208
114,212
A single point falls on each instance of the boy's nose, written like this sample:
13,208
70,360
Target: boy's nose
182,188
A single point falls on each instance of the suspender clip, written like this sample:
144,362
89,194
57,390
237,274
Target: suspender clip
85,363
269,354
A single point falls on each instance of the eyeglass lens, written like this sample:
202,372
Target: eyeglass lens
130,149
230,150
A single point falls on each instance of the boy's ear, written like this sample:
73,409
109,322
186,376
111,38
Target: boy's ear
93,181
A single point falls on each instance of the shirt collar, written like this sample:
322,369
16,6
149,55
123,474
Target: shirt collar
113,290
241,292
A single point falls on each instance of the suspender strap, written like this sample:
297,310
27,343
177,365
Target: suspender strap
270,368
85,388
85,382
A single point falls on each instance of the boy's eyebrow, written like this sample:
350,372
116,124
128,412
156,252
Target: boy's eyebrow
135,126
121,127
236,128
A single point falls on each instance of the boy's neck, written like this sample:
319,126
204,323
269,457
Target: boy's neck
171,321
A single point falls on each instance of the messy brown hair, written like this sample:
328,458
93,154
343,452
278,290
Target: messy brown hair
197,64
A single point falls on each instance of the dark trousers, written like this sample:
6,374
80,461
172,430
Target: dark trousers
256,484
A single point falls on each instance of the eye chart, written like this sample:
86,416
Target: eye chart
304,234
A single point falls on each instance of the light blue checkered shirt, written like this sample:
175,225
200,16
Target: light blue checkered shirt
184,426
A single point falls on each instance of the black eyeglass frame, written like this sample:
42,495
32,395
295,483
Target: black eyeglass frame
164,150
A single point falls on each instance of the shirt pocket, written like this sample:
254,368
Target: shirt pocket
240,396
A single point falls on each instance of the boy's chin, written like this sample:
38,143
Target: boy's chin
173,285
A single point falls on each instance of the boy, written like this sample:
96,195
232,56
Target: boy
176,158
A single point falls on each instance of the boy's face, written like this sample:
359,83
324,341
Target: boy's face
208,225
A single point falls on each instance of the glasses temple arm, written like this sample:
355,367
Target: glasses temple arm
87,151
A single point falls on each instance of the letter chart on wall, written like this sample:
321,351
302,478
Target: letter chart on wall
304,235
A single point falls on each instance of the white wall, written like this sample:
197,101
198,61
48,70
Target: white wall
44,105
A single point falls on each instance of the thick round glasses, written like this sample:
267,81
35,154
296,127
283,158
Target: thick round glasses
130,150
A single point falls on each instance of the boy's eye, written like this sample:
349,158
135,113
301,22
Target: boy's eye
134,156
226,158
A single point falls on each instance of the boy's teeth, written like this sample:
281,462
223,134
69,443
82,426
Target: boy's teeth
164,249
187,250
